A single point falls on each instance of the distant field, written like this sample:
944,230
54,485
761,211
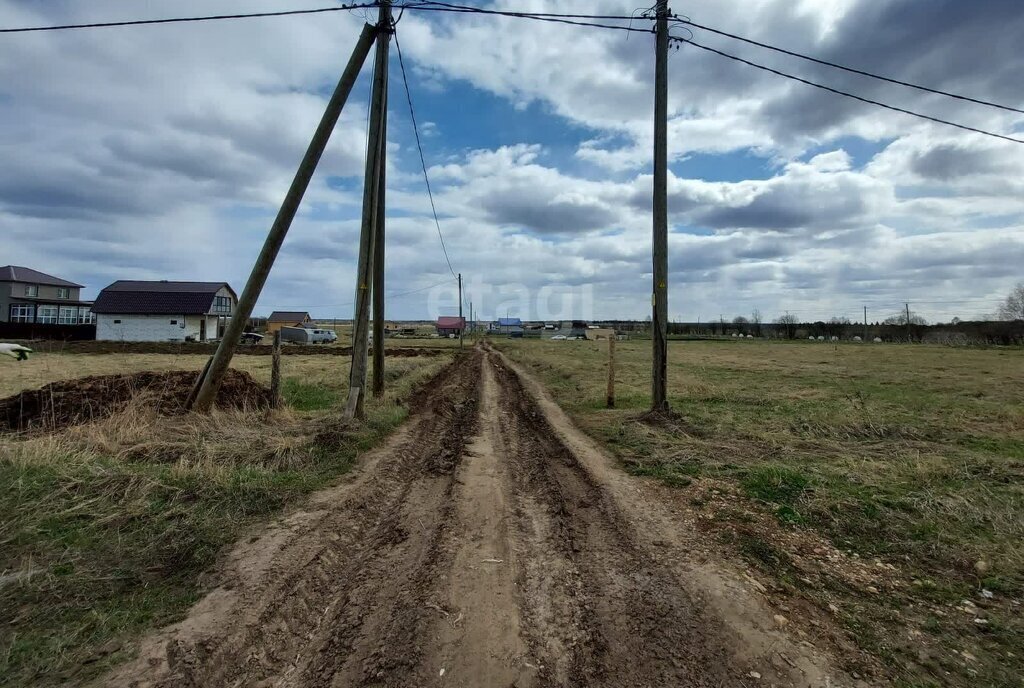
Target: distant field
905,454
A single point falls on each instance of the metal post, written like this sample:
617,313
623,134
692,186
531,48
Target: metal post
275,372
257,278
378,260
462,328
374,158
659,297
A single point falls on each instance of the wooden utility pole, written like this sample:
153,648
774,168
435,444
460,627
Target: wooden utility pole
908,320
659,297
275,372
374,164
209,382
463,327
610,397
378,263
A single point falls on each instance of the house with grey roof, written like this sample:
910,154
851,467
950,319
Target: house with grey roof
162,311
30,296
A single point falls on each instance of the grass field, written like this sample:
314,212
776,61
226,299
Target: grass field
108,529
908,459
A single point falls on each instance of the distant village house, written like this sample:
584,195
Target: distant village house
450,325
160,311
30,296
279,319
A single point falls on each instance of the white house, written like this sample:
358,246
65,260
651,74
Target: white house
161,311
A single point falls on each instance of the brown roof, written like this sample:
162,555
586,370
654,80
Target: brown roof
158,298
289,316
16,273
451,322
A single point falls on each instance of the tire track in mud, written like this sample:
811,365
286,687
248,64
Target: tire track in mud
475,548
610,614
343,600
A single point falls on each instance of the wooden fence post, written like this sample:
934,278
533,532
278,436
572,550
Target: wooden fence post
611,372
275,372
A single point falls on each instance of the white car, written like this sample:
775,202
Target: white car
559,338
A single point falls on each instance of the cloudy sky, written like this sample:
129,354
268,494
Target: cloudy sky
162,152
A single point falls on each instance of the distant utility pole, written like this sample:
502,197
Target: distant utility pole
659,296
463,328
865,323
908,320
471,315
209,381
375,161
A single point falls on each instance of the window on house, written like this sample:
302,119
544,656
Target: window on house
117,322
31,290
221,304
86,316
46,315
68,315
174,322
63,293
22,312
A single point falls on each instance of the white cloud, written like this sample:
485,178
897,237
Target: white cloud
164,152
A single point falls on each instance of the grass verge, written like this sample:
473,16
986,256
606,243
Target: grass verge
113,528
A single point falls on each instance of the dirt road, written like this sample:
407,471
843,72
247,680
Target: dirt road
487,543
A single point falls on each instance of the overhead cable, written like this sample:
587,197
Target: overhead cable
179,20
848,94
809,58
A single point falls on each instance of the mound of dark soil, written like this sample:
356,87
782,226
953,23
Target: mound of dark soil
70,402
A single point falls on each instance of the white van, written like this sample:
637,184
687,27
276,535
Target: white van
322,336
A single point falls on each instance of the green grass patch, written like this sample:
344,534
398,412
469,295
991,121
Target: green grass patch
303,396
672,474
911,454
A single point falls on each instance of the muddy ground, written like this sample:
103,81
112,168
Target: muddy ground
69,402
487,543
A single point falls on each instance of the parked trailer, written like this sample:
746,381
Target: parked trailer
303,335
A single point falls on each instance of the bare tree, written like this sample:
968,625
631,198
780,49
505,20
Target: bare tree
901,319
789,323
755,317
1013,307
740,320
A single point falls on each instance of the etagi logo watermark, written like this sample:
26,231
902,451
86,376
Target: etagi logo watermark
514,300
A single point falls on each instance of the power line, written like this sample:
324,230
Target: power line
423,162
390,295
571,19
683,20
848,94
179,20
